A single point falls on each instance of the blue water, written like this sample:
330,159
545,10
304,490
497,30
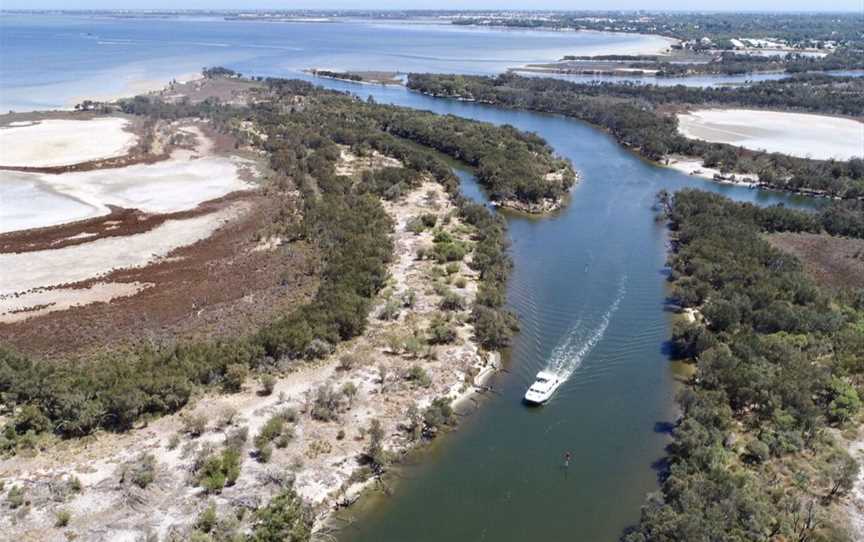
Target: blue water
588,282
50,61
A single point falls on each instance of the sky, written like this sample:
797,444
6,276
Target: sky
718,5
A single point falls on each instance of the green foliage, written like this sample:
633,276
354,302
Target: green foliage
140,472
632,114
418,375
284,519
62,518
437,415
207,519
220,470
375,455
762,368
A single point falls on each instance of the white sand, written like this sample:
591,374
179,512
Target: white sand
45,268
693,166
15,308
797,134
60,142
31,200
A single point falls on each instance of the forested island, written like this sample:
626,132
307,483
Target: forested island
758,453
639,117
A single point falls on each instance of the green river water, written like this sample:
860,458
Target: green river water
589,288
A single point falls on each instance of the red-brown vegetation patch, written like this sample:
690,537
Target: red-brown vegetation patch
836,262
221,286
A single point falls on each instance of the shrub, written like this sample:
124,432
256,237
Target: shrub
194,424
237,438
347,362
452,302
460,282
758,451
207,519
349,391
141,471
419,376
235,376
284,519
268,382
220,470
264,453
390,310
452,268
15,498
429,220
441,331
437,415
375,449
62,518
271,429
327,404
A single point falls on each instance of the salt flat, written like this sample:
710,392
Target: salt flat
34,200
60,142
797,134
46,268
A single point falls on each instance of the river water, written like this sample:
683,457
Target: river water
588,286
588,283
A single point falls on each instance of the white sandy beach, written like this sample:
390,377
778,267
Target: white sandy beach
797,134
61,142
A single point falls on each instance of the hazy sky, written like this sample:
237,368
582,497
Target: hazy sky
724,5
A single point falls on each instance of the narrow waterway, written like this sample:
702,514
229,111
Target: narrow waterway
588,286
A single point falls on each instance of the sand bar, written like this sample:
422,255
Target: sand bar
796,134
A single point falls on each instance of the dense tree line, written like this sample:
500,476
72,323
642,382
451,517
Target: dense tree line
777,362
302,127
633,114
796,28
728,63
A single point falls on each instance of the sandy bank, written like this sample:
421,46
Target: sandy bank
56,142
797,134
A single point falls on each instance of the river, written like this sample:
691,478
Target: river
588,286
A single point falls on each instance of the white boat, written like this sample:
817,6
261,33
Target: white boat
542,388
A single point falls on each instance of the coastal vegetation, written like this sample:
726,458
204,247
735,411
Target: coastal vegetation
636,115
758,452
797,30
301,128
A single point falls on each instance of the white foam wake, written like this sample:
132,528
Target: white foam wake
569,354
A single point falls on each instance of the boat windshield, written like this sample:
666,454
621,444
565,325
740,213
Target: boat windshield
541,380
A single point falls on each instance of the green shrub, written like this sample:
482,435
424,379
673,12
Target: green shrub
268,382
284,519
62,518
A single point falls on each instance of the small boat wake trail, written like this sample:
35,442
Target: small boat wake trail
569,354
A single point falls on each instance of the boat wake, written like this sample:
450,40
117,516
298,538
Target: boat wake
569,354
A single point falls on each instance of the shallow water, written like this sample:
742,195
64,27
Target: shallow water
50,61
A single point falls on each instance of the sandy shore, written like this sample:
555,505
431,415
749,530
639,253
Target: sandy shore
693,166
797,134
134,87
